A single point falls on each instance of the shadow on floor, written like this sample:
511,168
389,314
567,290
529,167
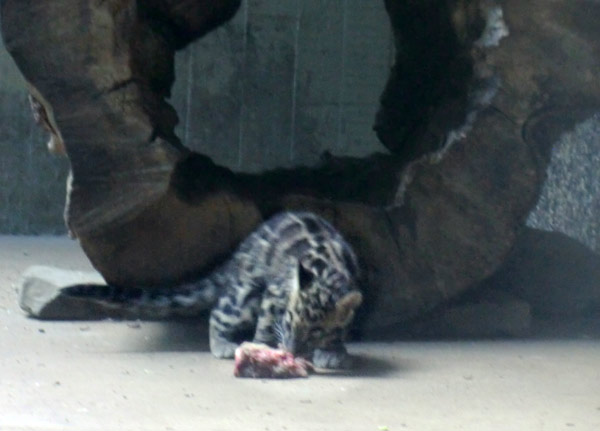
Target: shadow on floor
192,336
370,367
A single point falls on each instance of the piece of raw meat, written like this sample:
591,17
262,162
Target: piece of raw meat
263,362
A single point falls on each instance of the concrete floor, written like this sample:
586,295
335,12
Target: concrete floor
159,376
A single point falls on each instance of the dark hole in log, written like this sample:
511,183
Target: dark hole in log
432,73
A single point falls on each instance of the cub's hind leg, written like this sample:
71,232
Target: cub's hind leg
272,307
235,312
267,326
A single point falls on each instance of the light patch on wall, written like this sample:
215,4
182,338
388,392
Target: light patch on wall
495,27
570,199
482,91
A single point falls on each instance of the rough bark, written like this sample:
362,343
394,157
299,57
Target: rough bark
469,114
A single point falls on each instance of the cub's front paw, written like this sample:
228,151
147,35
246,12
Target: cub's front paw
332,359
223,349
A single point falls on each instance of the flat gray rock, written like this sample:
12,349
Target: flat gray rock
40,295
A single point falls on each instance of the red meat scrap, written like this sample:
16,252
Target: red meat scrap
263,362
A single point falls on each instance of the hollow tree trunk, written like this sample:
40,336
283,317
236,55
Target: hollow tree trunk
478,93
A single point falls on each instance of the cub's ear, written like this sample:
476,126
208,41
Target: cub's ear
346,305
305,276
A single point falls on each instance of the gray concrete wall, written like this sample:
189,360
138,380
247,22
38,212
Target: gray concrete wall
278,85
284,81
32,182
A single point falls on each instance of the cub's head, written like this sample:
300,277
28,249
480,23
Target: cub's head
320,306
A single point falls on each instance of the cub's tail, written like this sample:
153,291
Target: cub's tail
183,300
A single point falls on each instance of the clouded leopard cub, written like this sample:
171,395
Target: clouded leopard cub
293,281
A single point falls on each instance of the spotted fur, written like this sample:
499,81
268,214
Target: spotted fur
293,282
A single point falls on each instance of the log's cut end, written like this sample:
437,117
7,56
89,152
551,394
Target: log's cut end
471,107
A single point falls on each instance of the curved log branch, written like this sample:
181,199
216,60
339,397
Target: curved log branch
471,108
